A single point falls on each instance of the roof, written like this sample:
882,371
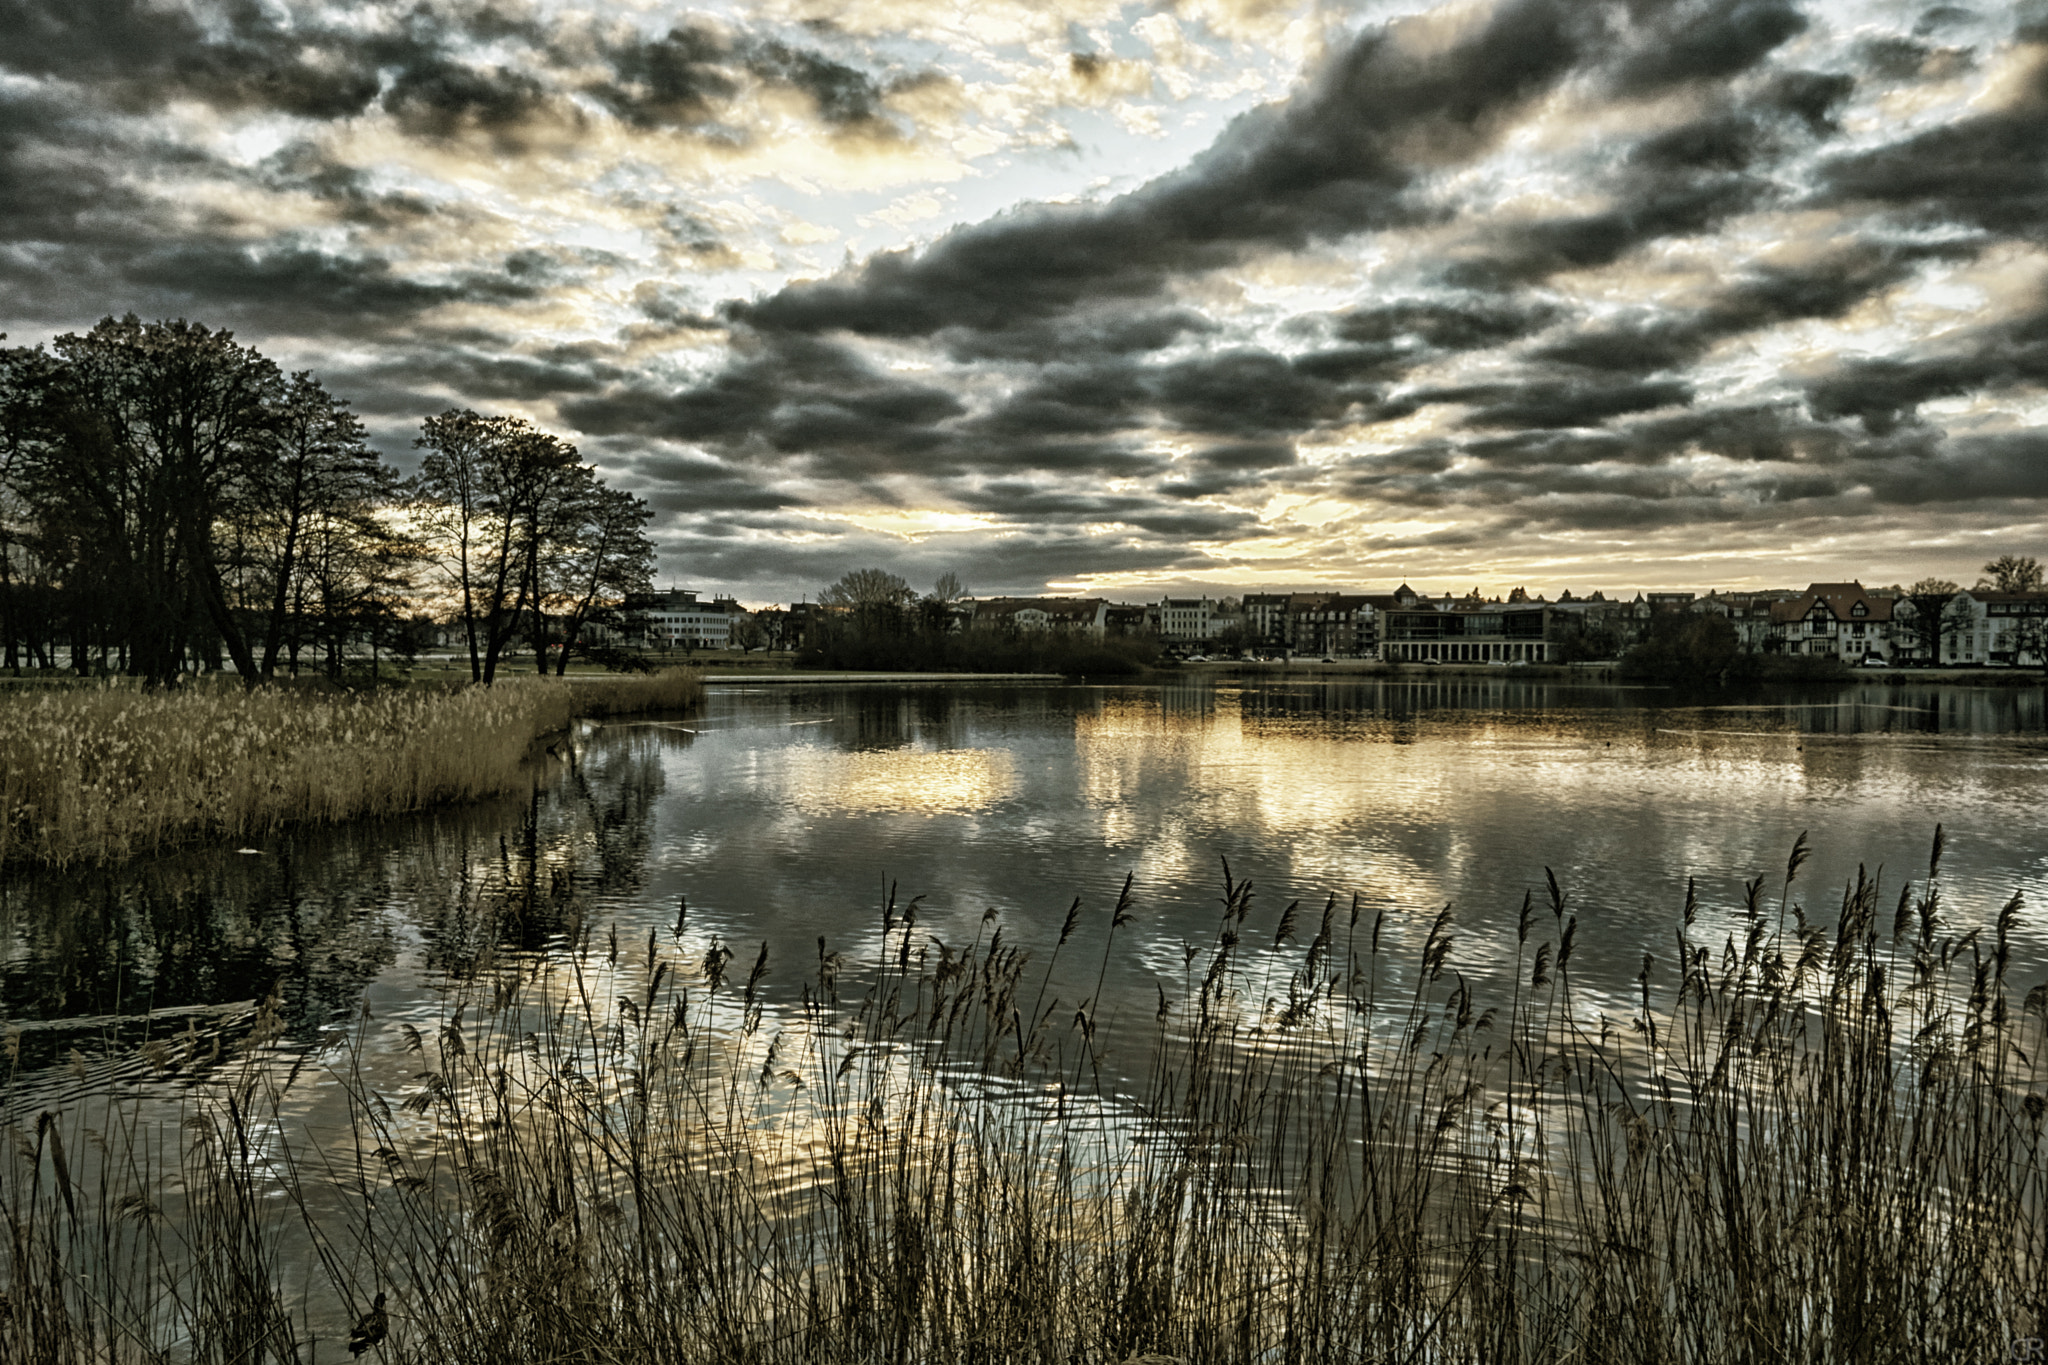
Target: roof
1841,601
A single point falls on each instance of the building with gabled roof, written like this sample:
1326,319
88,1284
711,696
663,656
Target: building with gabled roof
1080,615
1845,620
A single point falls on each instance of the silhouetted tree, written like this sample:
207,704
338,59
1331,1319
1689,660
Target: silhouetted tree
491,496
313,545
135,444
604,553
2012,573
869,588
1689,647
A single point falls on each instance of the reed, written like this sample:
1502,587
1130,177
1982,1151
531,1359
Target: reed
1808,1144
112,772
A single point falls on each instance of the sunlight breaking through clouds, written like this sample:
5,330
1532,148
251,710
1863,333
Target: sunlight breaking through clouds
1227,292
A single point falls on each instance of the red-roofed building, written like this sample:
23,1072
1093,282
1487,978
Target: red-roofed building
1841,619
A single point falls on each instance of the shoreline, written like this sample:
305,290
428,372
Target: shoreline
1599,674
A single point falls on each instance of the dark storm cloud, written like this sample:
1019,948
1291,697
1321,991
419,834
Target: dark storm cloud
2010,467
1679,182
141,55
498,371
1706,40
687,77
1985,171
416,64
54,181
793,396
1765,296
1019,562
1028,501
1071,400
1328,164
690,485
1883,392
1084,333
1780,455
348,190
1244,393
1446,324
677,80
438,98
1550,403
292,286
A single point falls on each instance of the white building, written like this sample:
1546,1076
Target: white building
666,620
1188,618
1982,626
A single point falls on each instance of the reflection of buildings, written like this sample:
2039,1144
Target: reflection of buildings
1397,698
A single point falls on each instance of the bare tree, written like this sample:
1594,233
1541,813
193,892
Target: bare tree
869,588
492,494
1928,616
605,554
324,479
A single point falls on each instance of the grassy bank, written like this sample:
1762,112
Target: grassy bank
1797,1142
113,772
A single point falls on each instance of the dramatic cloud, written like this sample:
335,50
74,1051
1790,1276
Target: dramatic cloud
1113,295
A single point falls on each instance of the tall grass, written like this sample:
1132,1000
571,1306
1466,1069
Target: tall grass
105,774
1809,1144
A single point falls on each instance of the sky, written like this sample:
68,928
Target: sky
1115,299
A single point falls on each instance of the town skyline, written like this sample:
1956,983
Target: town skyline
1113,298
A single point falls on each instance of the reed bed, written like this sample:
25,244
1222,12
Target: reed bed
99,775
1813,1143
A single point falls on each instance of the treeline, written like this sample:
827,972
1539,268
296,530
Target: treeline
882,623
1687,648
170,498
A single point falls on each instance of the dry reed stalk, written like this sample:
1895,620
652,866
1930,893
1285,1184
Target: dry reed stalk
1819,1145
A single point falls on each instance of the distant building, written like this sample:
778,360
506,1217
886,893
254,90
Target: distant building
674,617
1072,615
1748,612
1184,620
1840,619
1130,619
1494,632
1996,629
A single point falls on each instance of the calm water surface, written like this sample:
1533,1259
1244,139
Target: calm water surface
785,815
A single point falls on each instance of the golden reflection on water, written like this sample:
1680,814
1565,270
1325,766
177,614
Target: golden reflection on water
1271,783
932,782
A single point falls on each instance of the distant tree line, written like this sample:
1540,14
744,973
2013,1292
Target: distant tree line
170,497
880,622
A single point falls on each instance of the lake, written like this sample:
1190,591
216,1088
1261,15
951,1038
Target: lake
348,1034
785,814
